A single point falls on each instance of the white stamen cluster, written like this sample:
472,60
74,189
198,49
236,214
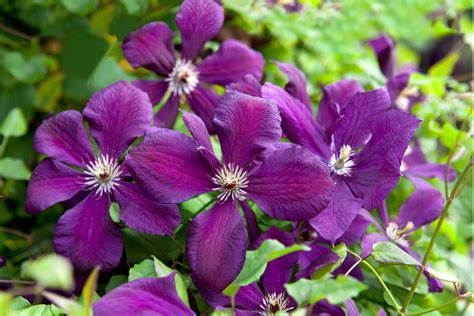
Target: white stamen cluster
231,181
343,164
102,175
274,303
398,235
184,77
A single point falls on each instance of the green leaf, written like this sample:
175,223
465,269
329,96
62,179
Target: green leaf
81,7
341,251
115,281
14,124
19,302
144,269
163,270
27,71
68,305
336,291
39,310
114,212
48,93
135,7
388,253
89,290
15,169
50,271
257,260
445,66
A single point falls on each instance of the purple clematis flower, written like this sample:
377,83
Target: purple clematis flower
90,182
151,47
147,296
356,134
285,180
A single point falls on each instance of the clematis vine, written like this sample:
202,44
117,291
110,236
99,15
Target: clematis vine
285,180
356,133
89,181
184,75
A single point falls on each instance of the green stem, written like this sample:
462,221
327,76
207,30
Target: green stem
3,145
232,304
438,307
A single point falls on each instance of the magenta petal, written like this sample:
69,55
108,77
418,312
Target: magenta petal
198,129
198,22
249,298
88,236
384,48
168,165
369,241
147,296
245,125
231,63
140,212
156,89
151,47
64,138
203,101
291,183
337,217
297,123
297,84
354,127
166,116
423,206
248,85
50,183
252,225
217,244
117,115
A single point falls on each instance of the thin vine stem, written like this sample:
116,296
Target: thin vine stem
440,306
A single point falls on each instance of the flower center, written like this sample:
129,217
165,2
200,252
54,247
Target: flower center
343,164
102,175
274,303
231,181
398,235
184,78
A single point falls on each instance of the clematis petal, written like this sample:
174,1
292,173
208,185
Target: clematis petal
415,164
248,85
146,296
323,307
156,89
252,225
423,206
313,260
290,183
198,130
355,231
278,272
396,85
245,126
231,63
384,49
198,22
369,241
297,84
64,138
297,122
50,183
203,101
168,165
335,98
87,235
117,115
354,127
142,213
338,216
166,116
151,47
249,298
217,243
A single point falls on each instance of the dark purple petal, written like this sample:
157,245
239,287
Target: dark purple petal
231,63
252,226
313,260
434,285
415,164
323,308
87,235
423,206
50,183
203,101
198,22
156,89
278,272
297,122
384,48
353,128
249,298
64,138
355,231
248,85
151,47
348,263
117,115
166,116
396,85
290,183
168,165
217,243
147,296
245,125
337,217
198,130
335,98
297,84
369,241
140,212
